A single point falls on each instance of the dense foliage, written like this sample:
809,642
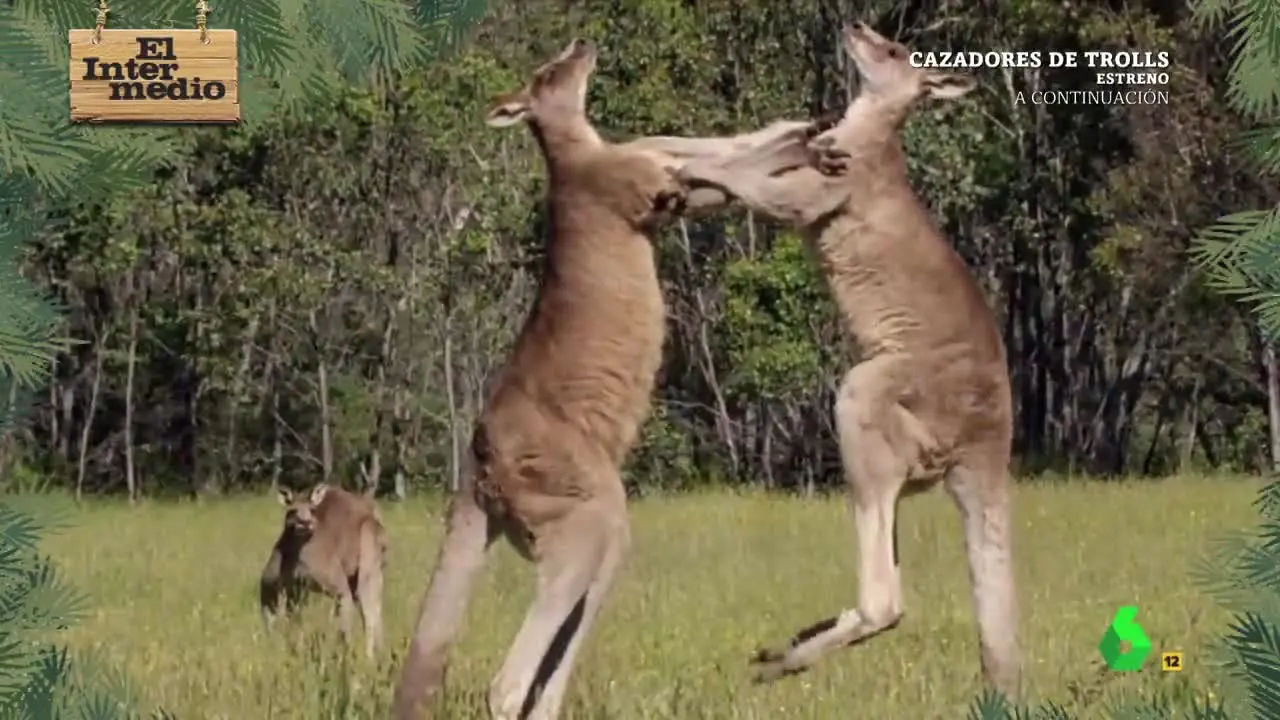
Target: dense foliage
324,292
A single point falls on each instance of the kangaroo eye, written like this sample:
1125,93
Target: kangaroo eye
895,52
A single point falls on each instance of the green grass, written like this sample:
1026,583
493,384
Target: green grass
173,590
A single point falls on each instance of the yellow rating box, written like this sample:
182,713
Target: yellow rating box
1171,662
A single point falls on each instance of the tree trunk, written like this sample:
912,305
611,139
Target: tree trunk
1273,401
455,438
57,433
272,389
707,365
68,406
130,468
450,389
88,418
386,357
277,439
1192,424
326,420
191,389
238,384
322,383
400,438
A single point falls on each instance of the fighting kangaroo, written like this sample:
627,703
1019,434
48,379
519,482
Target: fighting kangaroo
930,400
565,410
334,542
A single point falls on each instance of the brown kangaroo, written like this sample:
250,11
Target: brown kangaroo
930,400
332,542
565,410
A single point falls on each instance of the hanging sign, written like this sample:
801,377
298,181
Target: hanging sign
154,76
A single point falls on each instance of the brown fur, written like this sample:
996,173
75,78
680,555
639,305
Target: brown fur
566,409
930,400
332,542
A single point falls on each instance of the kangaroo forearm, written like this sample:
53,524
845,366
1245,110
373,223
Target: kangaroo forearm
682,147
269,594
799,197
704,201
270,582
698,147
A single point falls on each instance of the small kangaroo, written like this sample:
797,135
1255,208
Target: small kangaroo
930,401
332,542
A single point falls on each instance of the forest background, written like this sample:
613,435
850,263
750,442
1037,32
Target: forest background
322,294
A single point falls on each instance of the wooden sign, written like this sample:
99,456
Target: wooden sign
155,76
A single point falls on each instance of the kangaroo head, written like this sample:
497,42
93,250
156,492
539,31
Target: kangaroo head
888,76
556,94
299,510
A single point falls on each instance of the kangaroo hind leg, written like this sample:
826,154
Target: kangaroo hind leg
879,444
577,562
617,538
369,587
981,490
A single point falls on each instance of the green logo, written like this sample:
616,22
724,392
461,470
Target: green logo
1122,629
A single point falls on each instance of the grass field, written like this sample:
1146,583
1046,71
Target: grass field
173,591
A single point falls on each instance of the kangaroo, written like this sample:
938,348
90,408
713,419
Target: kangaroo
930,400
332,542
563,413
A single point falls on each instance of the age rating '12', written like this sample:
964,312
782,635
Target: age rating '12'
1171,662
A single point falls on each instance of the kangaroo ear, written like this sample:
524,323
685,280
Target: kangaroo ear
948,86
284,495
507,110
318,492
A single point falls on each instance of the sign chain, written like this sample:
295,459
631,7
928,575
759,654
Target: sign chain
102,21
202,16
202,20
